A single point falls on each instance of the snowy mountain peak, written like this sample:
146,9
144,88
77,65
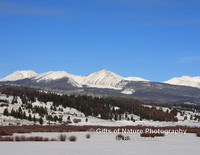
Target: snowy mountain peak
102,79
51,75
103,70
56,75
185,81
19,75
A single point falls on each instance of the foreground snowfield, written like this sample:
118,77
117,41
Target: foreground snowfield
105,144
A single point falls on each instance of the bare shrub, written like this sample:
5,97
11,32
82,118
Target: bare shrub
119,137
53,139
81,129
62,137
159,135
46,139
21,131
30,139
72,138
152,135
5,133
87,135
17,139
37,138
126,138
9,139
198,134
147,135
20,138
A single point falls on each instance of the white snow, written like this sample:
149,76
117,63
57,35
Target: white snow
185,81
128,91
105,144
100,79
19,75
74,113
51,75
55,75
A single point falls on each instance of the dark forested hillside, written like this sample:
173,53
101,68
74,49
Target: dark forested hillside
90,106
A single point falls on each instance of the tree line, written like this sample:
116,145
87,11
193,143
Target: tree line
91,106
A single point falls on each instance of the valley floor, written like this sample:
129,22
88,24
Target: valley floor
105,144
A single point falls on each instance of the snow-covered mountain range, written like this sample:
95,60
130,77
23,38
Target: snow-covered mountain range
19,75
100,79
185,81
107,83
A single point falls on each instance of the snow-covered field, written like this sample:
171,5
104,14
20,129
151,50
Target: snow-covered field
99,143
105,144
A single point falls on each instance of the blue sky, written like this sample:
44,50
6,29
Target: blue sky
152,39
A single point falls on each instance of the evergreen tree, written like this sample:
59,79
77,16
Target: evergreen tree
116,117
41,121
131,117
176,119
113,110
5,112
29,117
120,117
12,112
34,119
110,116
19,114
24,115
54,108
55,118
68,118
185,118
49,118
20,109
60,119
126,115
